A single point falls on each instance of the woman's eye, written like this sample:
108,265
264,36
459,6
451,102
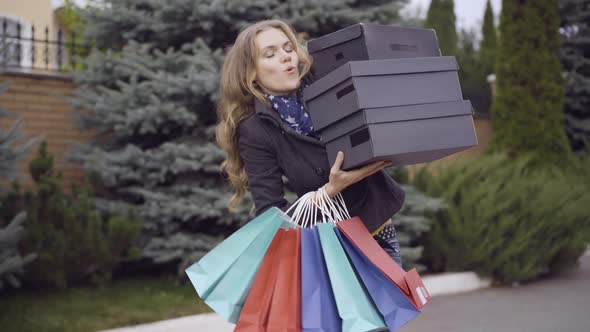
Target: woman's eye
288,48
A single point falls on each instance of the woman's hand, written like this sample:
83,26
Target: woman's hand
340,180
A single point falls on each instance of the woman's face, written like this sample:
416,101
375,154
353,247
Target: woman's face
276,65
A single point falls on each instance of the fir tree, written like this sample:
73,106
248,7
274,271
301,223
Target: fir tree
72,242
11,227
441,17
151,88
575,60
527,112
473,81
172,24
475,65
488,42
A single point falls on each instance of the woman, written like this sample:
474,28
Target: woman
266,134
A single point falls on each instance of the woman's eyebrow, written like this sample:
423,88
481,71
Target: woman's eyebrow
274,46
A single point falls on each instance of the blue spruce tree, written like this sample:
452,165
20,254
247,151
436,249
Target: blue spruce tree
150,90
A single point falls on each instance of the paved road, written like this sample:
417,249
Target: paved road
560,304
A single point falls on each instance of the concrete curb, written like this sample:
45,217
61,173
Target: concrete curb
202,322
438,284
454,282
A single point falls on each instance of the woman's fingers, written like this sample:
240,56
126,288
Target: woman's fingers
371,167
342,179
339,161
378,169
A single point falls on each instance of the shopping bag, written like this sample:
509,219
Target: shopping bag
393,305
254,314
224,276
318,307
285,307
355,307
409,283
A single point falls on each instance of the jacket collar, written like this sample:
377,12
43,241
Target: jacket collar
264,111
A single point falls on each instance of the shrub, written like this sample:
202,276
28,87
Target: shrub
413,220
509,221
73,243
11,262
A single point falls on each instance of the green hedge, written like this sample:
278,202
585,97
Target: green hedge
507,220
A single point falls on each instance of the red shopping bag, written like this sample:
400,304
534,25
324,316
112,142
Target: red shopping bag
254,314
274,302
409,282
285,308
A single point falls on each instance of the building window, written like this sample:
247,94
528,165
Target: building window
15,42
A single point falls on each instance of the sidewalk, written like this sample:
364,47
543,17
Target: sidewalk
560,304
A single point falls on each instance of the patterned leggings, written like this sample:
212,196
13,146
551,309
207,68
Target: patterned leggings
387,239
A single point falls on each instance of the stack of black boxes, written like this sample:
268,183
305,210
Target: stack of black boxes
386,93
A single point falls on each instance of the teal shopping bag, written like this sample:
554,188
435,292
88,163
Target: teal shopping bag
354,304
224,276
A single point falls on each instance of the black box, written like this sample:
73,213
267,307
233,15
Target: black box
381,83
402,134
370,42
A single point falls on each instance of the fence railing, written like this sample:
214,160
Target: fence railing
22,49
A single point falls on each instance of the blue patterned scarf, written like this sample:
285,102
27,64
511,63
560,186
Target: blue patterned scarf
292,111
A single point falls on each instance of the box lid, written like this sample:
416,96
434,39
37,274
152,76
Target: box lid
334,38
379,67
395,114
349,33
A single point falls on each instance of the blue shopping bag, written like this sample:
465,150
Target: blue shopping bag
355,307
224,276
393,305
318,306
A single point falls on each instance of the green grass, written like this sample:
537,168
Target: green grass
124,302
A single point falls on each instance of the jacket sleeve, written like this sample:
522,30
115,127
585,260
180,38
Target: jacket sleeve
265,181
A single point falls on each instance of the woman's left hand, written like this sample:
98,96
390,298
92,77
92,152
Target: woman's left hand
340,180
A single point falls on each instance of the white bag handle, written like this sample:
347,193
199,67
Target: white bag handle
319,205
305,208
306,211
342,205
298,206
327,205
309,211
334,207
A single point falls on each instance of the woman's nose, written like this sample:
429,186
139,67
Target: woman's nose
285,56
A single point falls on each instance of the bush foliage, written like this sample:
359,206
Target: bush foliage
507,220
73,243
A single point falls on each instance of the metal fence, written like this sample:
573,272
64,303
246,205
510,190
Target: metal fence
22,49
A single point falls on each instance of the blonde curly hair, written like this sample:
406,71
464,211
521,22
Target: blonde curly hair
237,93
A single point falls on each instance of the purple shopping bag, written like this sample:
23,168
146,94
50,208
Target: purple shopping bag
391,302
318,307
